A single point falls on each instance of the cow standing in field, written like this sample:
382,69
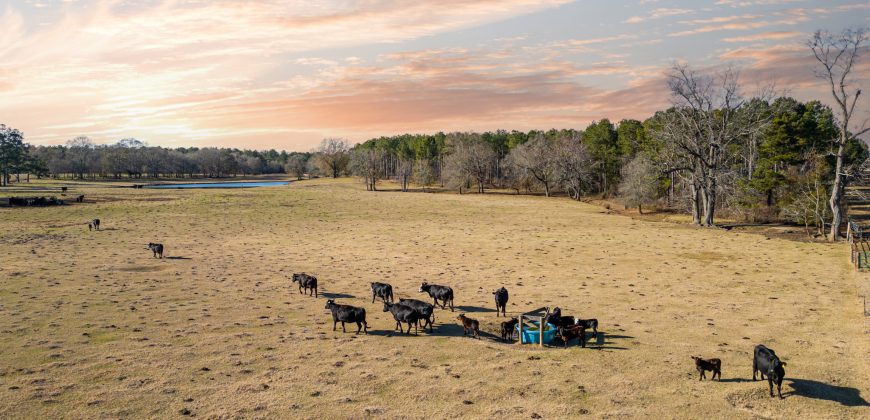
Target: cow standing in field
306,282
426,310
157,249
80,199
347,313
403,313
766,362
443,293
96,224
501,300
383,291
713,365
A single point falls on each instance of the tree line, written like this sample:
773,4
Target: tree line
80,158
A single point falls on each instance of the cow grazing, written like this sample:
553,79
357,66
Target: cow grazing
501,300
426,310
383,291
157,249
347,313
557,319
403,313
442,293
469,324
508,328
766,362
307,282
713,365
96,223
589,324
575,331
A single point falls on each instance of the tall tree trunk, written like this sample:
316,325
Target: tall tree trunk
837,192
709,201
695,198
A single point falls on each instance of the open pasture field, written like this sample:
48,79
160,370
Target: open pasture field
92,326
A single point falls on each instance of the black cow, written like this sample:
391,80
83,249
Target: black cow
96,223
501,300
508,328
571,332
403,313
713,365
469,324
347,313
63,189
157,249
443,293
80,199
589,324
426,310
557,319
766,362
383,291
306,282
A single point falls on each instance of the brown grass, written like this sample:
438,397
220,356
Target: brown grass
92,326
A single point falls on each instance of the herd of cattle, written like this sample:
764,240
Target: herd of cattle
413,311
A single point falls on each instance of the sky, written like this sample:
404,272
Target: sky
285,74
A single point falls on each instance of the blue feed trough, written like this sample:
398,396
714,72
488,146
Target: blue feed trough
532,335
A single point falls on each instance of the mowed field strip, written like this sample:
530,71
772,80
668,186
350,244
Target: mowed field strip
92,326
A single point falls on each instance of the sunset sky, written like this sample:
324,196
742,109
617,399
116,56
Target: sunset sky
284,74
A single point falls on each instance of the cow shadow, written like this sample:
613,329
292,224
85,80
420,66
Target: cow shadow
472,309
604,341
330,295
734,380
456,330
850,397
179,258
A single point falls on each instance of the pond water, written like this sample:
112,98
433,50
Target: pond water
243,184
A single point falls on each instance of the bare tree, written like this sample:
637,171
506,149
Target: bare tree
296,165
707,119
639,182
424,175
536,157
574,164
469,159
332,155
404,170
367,164
837,55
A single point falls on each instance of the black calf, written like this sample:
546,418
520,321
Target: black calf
713,365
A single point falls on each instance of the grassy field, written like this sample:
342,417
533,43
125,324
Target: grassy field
92,326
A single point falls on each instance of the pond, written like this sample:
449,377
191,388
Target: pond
242,184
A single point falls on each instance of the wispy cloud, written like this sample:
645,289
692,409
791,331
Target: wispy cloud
658,14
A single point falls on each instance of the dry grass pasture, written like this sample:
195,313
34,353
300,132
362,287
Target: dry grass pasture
91,326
